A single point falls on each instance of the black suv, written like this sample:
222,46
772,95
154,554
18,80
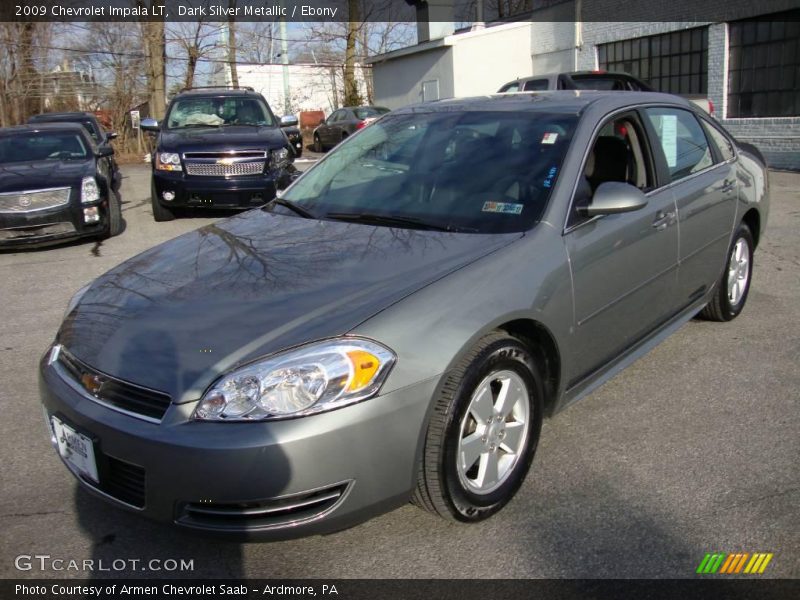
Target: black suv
217,148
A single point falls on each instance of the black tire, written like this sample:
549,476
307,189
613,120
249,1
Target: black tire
440,488
115,225
318,147
722,307
160,212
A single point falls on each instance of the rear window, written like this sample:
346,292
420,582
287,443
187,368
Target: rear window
593,82
474,171
370,111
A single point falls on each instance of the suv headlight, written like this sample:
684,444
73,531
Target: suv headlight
168,161
90,192
306,380
280,157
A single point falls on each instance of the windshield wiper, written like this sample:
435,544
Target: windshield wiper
193,125
375,219
303,212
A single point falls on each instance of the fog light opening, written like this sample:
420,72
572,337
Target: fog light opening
91,214
168,196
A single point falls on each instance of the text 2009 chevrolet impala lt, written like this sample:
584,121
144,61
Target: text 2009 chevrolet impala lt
398,323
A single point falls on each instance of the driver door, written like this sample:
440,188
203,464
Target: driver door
624,266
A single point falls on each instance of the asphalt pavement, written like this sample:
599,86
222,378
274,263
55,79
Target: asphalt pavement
693,449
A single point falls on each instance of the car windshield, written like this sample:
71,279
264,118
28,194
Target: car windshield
36,146
476,171
370,111
216,111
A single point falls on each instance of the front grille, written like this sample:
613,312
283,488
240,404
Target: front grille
225,164
275,512
119,394
218,170
124,481
20,202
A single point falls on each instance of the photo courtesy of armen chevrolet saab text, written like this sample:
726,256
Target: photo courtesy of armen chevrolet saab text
397,323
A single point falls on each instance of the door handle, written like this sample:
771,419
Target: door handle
727,186
663,220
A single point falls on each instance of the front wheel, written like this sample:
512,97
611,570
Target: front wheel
318,147
114,216
734,284
483,432
160,213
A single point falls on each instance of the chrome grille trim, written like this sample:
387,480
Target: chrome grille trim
34,200
219,170
243,154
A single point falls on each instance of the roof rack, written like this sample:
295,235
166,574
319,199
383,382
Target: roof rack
217,87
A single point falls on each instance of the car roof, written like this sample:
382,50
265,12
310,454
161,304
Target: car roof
62,115
58,126
561,101
212,91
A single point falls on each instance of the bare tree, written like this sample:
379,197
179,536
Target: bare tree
232,43
194,41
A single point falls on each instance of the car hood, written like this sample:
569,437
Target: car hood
221,139
177,316
17,177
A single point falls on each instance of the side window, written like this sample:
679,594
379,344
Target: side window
334,117
682,140
511,87
721,141
619,153
537,85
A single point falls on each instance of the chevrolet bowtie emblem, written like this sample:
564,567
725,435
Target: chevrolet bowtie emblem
226,161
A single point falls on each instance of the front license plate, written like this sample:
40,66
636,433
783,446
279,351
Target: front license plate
76,449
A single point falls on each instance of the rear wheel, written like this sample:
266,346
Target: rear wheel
483,433
160,213
734,283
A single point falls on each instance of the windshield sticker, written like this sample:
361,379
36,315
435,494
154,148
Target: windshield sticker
507,208
550,138
551,174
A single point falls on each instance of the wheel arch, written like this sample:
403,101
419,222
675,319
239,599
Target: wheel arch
752,218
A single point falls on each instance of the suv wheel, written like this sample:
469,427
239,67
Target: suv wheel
160,213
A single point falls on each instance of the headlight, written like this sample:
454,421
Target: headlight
76,297
168,161
280,157
307,380
90,192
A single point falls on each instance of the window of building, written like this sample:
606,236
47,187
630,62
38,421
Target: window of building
675,62
764,66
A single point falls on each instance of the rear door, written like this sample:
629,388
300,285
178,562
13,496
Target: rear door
623,265
703,179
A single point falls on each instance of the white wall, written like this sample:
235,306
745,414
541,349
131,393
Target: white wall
484,60
398,82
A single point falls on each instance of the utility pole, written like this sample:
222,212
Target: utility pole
287,103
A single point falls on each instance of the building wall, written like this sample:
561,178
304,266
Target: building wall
399,81
486,59
777,138
553,40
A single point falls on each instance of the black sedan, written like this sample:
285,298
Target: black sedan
343,123
55,185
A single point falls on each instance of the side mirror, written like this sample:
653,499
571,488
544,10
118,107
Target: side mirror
613,197
289,121
149,124
112,135
105,150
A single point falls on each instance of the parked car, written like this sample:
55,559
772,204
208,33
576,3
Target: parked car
398,323
100,136
217,148
292,131
593,80
55,185
343,123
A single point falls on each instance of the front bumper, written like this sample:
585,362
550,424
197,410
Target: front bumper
267,481
216,192
51,226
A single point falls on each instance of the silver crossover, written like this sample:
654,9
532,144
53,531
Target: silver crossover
397,324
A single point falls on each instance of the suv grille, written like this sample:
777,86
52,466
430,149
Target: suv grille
16,202
225,164
129,397
276,512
